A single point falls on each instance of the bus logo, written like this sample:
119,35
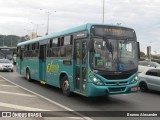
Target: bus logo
52,67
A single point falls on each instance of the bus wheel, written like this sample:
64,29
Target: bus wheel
143,87
65,86
28,77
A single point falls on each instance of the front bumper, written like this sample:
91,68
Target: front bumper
94,90
6,68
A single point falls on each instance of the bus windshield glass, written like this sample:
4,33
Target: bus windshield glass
115,53
6,53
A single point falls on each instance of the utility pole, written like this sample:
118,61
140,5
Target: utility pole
11,40
48,12
103,12
48,22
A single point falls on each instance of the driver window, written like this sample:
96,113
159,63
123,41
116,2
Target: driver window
126,49
102,56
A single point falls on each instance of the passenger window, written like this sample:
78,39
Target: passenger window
158,73
67,40
66,46
50,43
62,41
152,72
55,42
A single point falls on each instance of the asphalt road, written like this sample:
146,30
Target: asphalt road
128,102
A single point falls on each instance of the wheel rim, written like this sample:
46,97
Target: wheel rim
65,85
27,75
143,87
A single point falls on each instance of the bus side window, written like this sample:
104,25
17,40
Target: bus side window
62,41
21,53
62,48
56,47
18,51
50,43
37,49
30,54
69,45
33,50
71,41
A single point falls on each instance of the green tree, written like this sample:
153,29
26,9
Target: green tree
142,54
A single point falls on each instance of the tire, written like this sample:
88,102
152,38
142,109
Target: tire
143,87
28,77
11,70
65,86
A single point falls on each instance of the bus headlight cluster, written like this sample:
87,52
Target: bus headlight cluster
96,81
134,80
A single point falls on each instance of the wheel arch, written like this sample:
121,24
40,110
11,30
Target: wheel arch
62,74
142,82
28,68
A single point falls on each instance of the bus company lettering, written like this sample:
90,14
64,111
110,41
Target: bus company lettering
52,67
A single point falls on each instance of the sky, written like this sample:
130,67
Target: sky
21,17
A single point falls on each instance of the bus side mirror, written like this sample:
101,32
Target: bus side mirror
138,50
91,45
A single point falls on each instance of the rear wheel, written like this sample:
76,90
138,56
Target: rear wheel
143,87
65,86
28,75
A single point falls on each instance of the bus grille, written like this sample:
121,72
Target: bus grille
120,89
115,83
116,77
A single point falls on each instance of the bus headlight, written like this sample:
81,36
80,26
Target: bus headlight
96,81
134,80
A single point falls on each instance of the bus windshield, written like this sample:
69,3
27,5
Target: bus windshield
6,53
114,55
114,52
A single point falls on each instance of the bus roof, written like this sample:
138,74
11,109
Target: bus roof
68,31
6,47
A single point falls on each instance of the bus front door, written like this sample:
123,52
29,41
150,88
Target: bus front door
21,61
42,62
80,65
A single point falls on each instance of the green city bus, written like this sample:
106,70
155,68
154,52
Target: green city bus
90,60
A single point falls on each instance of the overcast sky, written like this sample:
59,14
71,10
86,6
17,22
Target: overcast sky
20,17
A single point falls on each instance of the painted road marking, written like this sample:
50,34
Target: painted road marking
60,105
2,80
21,107
8,85
21,94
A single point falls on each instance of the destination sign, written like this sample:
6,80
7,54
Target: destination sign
112,31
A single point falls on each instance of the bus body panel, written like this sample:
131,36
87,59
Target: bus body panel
94,90
104,90
54,68
51,69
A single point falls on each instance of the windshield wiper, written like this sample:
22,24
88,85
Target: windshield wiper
109,45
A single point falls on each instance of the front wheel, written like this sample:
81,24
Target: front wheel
28,75
143,87
65,86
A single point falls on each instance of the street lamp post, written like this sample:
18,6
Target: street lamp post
48,23
3,40
103,12
48,12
